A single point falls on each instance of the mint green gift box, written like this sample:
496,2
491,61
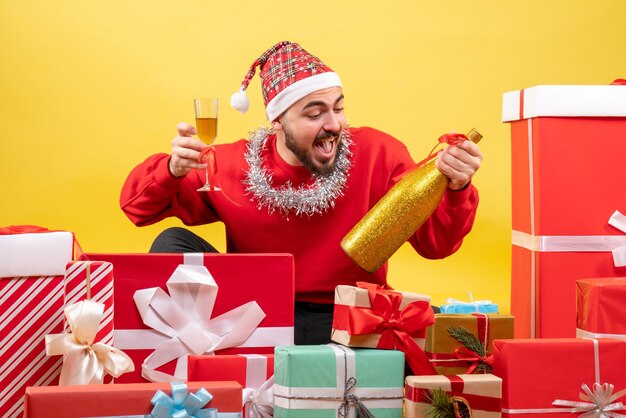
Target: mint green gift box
310,381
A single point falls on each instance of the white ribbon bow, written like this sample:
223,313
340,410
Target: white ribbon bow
618,221
185,317
472,302
597,403
260,402
86,363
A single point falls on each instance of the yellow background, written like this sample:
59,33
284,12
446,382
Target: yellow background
91,88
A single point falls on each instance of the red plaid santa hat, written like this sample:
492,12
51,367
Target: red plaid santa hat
288,73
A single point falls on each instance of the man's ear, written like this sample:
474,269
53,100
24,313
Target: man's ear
277,125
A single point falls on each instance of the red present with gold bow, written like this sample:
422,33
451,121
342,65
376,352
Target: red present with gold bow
369,316
478,394
461,343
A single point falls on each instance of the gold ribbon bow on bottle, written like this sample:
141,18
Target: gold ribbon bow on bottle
84,362
597,403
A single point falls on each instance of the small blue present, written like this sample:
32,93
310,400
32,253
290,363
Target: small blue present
454,306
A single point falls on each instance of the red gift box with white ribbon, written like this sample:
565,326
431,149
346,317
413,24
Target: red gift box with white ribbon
31,306
600,308
170,306
567,152
553,376
252,371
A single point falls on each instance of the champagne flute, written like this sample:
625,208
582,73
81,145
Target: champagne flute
206,128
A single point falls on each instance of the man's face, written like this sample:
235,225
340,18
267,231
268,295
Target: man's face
309,132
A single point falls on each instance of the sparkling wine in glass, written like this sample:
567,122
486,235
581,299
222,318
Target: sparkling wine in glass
206,128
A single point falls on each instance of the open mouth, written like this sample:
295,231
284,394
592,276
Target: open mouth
326,147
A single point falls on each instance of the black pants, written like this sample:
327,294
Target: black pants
180,240
313,322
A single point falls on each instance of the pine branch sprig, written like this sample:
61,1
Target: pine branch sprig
471,342
442,405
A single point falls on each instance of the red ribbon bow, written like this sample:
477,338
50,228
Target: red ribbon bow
465,354
207,155
397,327
451,139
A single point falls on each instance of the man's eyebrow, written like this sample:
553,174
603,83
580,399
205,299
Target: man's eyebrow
321,103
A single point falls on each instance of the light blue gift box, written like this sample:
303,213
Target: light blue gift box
311,381
459,307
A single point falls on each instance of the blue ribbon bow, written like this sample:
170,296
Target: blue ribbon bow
182,404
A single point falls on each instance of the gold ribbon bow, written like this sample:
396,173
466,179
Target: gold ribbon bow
86,363
597,403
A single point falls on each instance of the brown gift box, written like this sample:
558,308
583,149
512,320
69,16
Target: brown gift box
352,296
118,399
481,392
440,345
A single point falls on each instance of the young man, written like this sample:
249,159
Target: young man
297,187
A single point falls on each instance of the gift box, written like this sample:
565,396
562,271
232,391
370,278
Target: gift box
479,394
453,306
32,307
567,146
27,250
133,399
449,355
368,316
322,381
223,303
545,376
600,309
252,371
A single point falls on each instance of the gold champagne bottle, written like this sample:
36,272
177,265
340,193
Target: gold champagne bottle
400,212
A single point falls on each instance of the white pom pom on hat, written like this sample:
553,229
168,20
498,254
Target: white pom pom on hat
287,73
239,101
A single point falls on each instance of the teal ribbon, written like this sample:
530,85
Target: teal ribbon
182,404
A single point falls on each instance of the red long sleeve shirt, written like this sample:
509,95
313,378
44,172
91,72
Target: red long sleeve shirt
151,193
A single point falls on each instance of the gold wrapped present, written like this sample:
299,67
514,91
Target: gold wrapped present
461,343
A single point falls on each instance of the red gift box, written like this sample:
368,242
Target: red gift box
567,146
267,279
537,372
249,370
131,399
600,308
32,307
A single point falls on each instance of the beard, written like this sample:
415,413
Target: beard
304,154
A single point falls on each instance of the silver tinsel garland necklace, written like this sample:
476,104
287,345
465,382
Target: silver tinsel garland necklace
308,200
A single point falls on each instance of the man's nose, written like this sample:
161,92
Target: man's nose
332,123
